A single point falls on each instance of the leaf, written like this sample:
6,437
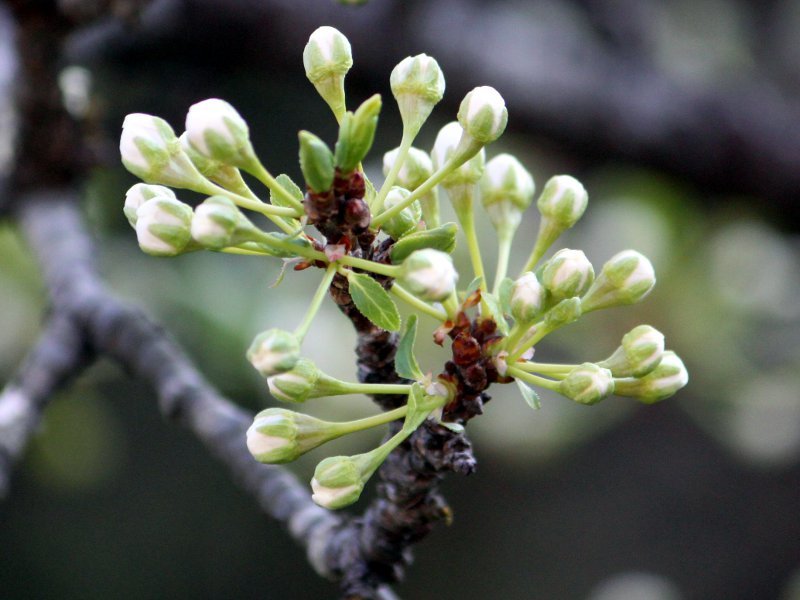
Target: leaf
405,363
290,186
529,394
373,301
473,286
440,238
454,427
505,294
420,406
497,312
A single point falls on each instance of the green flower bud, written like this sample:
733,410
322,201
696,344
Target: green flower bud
215,222
563,201
339,480
316,162
507,189
407,220
215,129
641,351
223,174
429,274
297,384
569,273
662,382
565,312
327,58
625,279
447,145
418,85
356,134
483,114
441,238
138,195
163,226
151,151
274,351
527,298
417,167
587,384
278,435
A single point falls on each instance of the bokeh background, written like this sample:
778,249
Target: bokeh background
682,118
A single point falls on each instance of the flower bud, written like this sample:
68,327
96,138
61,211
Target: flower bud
151,151
215,222
429,274
507,189
587,384
417,167
563,201
447,145
163,226
138,195
527,298
316,162
565,312
662,382
223,174
625,279
407,220
440,238
278,435
641,351
567,274
327,58
338,481
297,384
356,134
274,351
217,131
483,114
418,85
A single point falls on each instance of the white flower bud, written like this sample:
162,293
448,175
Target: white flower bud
641,351
151,151
527,298
625,279
274,351
429,274
338,482
327,58
163,226
448,144
278,435
569,273
662,382
418,85
296,385
483,114
217,131
215,222
138,195
417,167
407,220
587,384
507,190
563,201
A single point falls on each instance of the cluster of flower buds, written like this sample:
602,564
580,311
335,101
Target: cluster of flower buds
377,244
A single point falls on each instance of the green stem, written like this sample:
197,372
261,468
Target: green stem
379,388
260,172
368,265
316,302
539,332
504,241
242,251
369,422
548,384
273,213
451,306
554,370
286,246
420,305
405,145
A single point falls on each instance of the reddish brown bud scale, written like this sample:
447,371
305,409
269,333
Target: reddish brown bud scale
466,350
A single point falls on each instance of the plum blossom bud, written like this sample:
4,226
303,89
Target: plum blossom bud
417,167
662,382
407,220
447,145
215,222
626,278
418,85
296,384
641,351
565,312
563,201
338,481
138,195
429,274
151,151
569,273
223,174
274,351
278,435
327,58
483,114
527,298
507,190
217,131
163,226
587,384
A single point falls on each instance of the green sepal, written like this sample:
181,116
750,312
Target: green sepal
529,395
441,238
356,134
300,242
316,162
504,295
373,301
420,405
497,312
405,363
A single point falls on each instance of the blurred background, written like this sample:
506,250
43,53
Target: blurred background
682,119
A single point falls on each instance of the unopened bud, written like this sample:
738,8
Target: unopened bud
587,384
338,481
527,298
316,162
138,195
417,167
217,131
568,273
429,274
278,435
274,351
641,351
296,384
356,134
507,190
418,85
565,312
327,58
483,114
407,220
662,382
447,145
223,174
563,201
163,226
215,222
625,279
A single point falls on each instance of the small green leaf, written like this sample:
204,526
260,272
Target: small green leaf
373,301
316,162
454,427
405,363
497,313
419,407
440,238
529,394
290,186
505,294
473,286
